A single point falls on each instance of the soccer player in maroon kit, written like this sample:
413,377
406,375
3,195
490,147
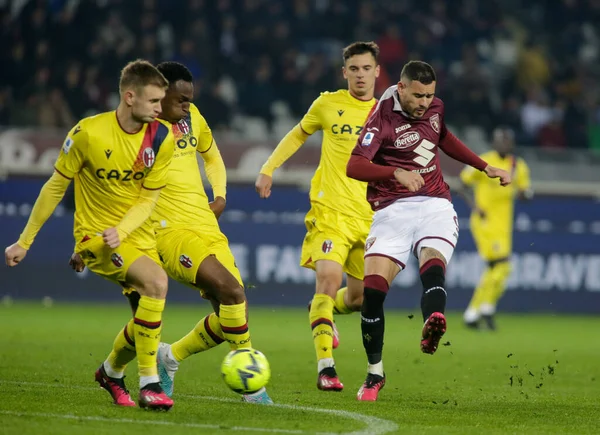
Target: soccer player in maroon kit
397,153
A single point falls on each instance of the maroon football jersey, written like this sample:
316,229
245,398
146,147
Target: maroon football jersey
392,138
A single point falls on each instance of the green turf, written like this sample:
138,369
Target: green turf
537,374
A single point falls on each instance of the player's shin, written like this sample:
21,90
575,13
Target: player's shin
234,325
433,279
321,323
122,353
205,335
372,321
147,327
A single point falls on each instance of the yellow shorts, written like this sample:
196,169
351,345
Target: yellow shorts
335,236
492,243
182,250
112,264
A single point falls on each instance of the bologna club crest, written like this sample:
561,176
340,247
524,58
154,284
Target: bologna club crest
327,246
116,259
369,243
148,157
185,261
435,122
183,127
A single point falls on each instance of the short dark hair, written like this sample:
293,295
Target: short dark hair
419,71
140,73
361,47
175,71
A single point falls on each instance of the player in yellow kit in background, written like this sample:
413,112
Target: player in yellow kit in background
492,224
340,216
119,161
191,245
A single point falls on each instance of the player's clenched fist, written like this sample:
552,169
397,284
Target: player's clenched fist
14,254
111,238
263,185
411,180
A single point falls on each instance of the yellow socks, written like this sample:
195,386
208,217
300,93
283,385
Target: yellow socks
339,305
234,325
122,353
147,327
499,274
321,323
205,335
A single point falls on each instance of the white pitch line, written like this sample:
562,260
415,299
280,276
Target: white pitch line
374,425
150,422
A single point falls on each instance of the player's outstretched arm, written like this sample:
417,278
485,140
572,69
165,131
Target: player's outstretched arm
284,150
217,177
133,219
49,197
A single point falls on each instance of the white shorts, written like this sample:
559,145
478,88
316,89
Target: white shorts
411,224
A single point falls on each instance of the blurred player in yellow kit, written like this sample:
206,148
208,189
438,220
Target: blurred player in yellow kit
192,248
492,223
340,216
119,161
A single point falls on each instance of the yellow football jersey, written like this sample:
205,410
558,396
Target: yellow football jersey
110,167
341,117
183,201
496,201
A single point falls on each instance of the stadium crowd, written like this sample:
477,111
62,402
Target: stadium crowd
531,65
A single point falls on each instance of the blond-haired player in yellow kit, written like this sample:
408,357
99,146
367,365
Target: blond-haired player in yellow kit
492,223
339,219
190,243
119,161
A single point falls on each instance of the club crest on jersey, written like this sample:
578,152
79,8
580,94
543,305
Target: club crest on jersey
435,122
367,139
185,261
183,127
327,246
116,259
407,140
148,157
369,243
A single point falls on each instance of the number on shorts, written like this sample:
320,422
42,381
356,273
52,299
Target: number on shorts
424,152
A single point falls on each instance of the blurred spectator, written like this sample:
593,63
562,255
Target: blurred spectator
506,62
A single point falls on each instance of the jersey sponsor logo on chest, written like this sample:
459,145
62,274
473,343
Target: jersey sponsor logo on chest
407,140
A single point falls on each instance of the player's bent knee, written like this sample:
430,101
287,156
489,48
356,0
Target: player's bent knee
232,295
328,283
156,285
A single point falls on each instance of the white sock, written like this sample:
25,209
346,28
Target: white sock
171,359
487,309
375,369
324,363
145,380
258,393
471,315
111,372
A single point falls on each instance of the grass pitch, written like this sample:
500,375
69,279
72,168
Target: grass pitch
537,374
